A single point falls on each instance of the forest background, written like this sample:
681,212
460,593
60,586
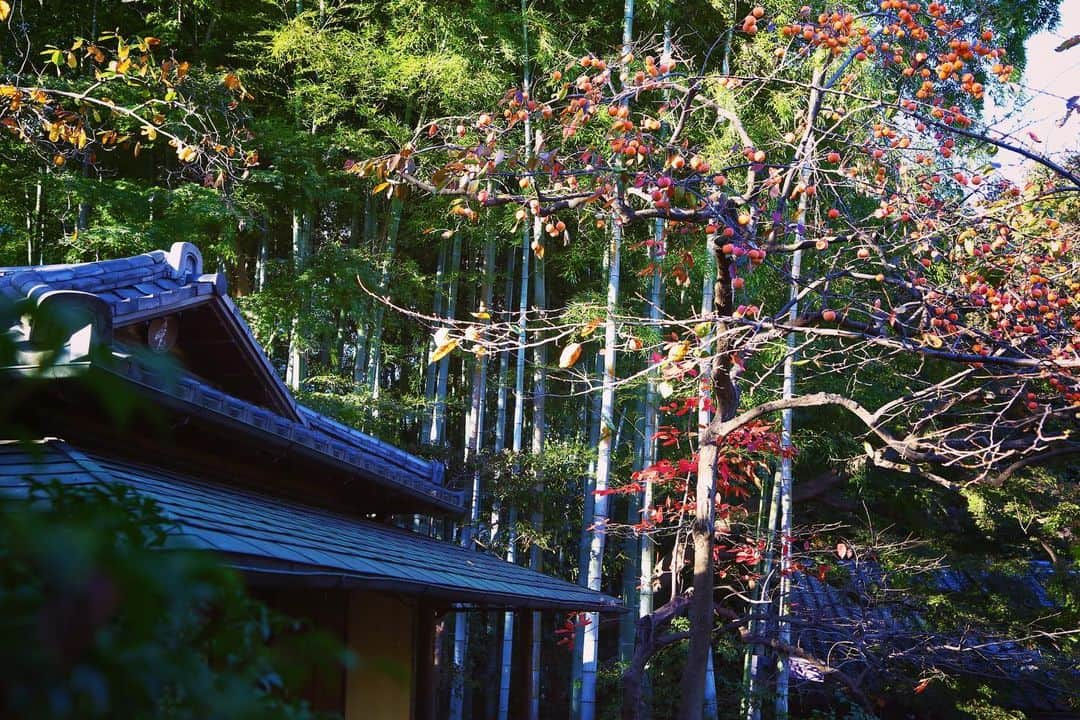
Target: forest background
309,245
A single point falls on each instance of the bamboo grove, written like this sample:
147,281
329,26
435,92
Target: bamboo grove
699,303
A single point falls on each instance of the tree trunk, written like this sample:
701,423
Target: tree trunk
754,692
34,220
375,356
262,260
804,154
360,349
787,417
591,641
647,641
437,436
725,401
650,425
631,577
296,370
645,599
585,539
701,605
518,440
40,204
703,420
362,235
539,429
502,398
494,687
508,627
474,433
431,370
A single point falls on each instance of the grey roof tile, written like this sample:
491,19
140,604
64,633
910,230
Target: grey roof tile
355,551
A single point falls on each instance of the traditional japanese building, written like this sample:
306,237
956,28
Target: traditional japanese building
141,371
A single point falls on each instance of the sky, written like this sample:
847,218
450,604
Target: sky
1049,80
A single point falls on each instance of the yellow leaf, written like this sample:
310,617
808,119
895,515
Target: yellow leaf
678,351
5,10
443,350
379,188
570,355
591,326
932,340
186,153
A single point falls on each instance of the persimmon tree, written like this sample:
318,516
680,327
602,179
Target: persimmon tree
905,261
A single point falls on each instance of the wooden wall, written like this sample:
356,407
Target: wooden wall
382,635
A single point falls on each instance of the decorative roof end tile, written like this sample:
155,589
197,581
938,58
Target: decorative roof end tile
185,260
218,281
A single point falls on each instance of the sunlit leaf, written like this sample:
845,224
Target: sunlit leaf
443,350
570,355
678,351
591,326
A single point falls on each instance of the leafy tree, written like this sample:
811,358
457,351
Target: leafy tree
855,180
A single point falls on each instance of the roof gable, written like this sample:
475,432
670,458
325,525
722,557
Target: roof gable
229,383
212,339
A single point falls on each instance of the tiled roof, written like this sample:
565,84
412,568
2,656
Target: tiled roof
263,535
161,283
868,619
134,287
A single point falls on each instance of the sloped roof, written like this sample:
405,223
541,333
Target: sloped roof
160,283
145,286
262,535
